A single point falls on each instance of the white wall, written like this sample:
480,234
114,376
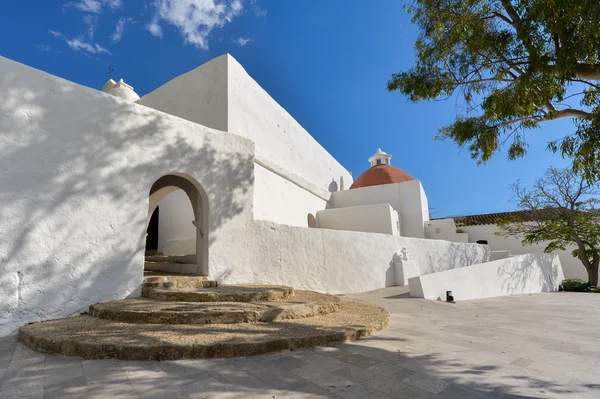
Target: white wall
332,261
76,168
524,274
221,94
278,200
380,218
176,233
278,137
572,266
444,229
407,198
199,95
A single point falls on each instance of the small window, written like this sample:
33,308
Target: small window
379,162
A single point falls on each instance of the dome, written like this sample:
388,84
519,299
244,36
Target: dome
120,89
381,174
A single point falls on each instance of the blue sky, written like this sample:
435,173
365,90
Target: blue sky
326,62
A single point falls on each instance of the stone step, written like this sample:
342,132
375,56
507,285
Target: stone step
167,267
142,310
222,293
96,338
175,282
191,259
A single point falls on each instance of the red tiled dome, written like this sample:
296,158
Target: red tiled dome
381,174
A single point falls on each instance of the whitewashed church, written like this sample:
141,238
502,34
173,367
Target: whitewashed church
209,175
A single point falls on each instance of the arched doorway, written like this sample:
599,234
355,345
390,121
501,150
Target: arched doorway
170,183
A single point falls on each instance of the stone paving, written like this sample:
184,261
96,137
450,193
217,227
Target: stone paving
543,345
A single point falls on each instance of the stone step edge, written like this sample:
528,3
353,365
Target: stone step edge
199,296
176,352
148,287
199,318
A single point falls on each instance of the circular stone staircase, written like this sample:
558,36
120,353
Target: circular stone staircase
182,317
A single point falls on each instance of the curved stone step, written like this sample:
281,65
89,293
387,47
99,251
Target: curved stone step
142,310
222,293
96,338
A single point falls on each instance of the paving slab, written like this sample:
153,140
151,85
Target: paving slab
543,345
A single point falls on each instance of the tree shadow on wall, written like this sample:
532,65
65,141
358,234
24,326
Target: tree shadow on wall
517,276
456,255
74,186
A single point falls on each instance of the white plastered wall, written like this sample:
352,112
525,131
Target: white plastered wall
572,266
199,95
279,200
278,137
407,198
379,218
523,274
444,229
294,173
76,168
333,261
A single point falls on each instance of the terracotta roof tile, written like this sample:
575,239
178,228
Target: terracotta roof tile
491,218
381,174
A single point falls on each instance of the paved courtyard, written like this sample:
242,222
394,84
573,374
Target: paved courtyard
543,345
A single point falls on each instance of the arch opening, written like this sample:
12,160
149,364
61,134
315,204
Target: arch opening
181,226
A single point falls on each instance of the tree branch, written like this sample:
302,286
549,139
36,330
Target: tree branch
588,71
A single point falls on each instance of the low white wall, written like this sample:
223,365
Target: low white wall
407,198
572,266
380,218
524,274
332,261
281,201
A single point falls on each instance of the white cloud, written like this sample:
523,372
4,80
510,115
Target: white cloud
94,6
195,19
91,22
242,41
43,48
120,28
154,28
259,12
81,44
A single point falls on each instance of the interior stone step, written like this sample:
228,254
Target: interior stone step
191,259
174,282
222,293
168,267
96,338
142,310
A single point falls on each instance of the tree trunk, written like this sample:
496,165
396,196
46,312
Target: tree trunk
593,275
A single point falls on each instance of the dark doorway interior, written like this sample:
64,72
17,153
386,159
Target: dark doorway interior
152,232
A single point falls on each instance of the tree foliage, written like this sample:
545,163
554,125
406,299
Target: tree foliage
562,209
517,63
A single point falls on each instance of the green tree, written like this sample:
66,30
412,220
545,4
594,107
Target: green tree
561,210
517,63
